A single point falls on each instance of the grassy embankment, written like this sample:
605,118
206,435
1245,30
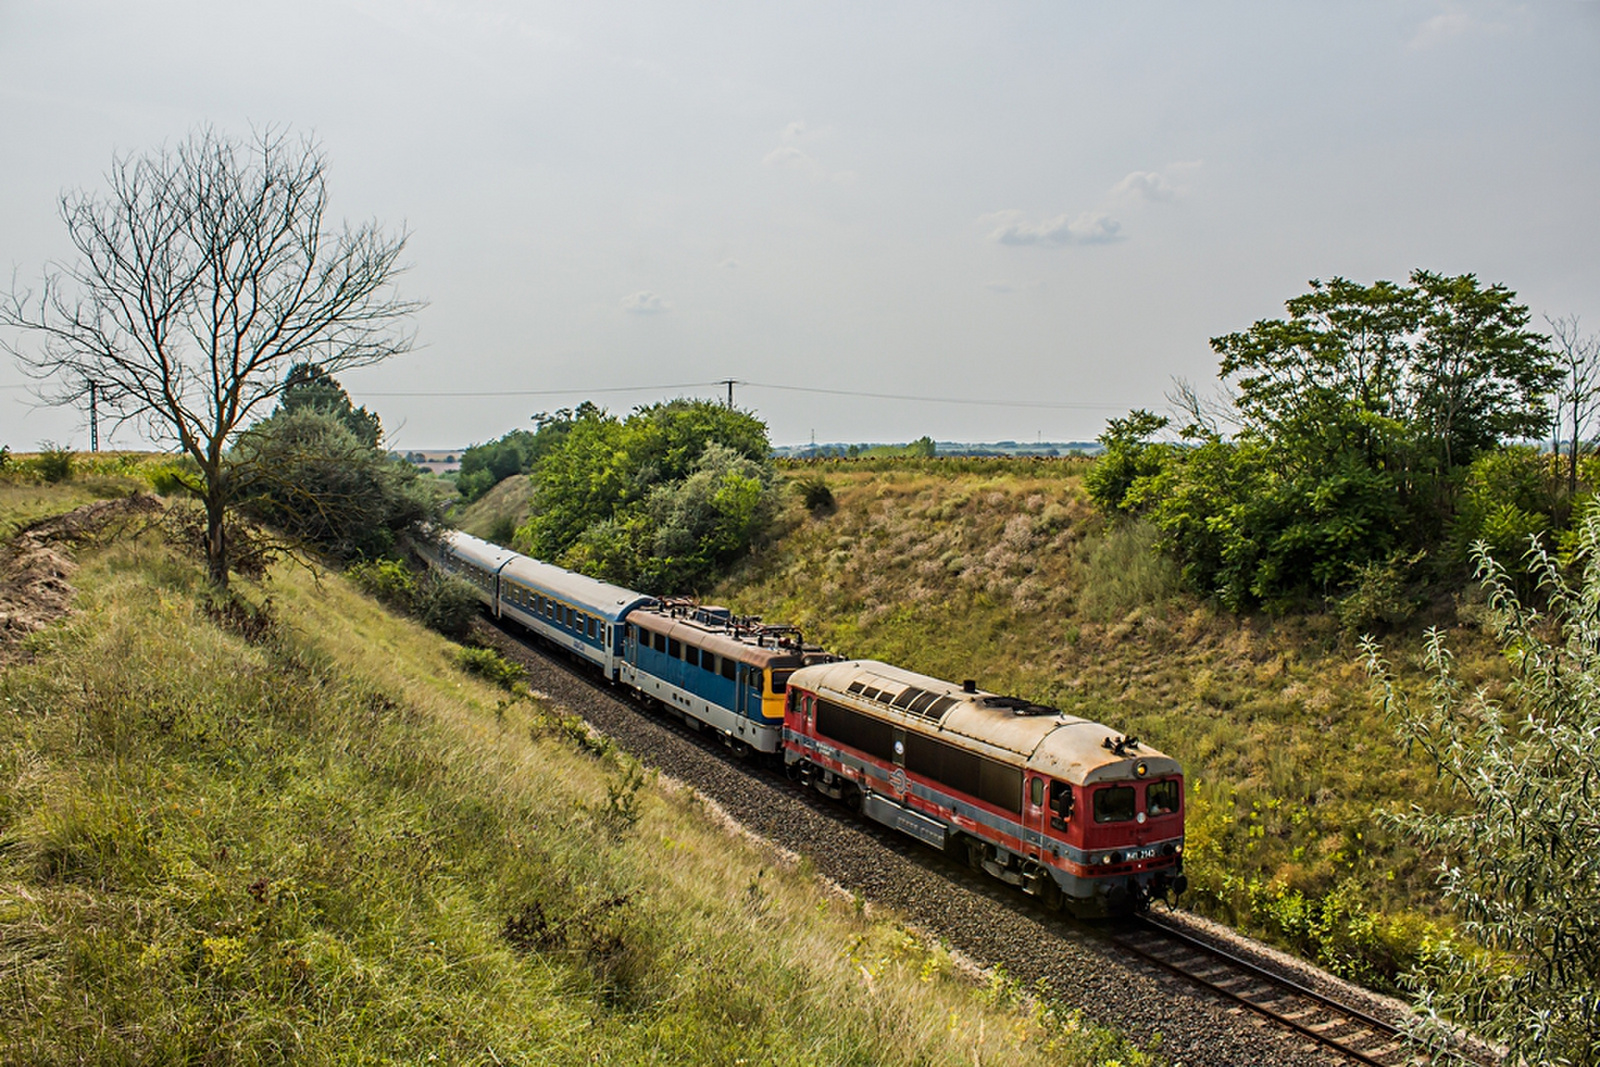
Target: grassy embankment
298,832
1003,572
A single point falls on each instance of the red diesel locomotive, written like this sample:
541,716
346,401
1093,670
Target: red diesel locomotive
1062,807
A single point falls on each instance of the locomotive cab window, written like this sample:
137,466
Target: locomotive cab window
1060,804
1114,803
1161,798
1036,791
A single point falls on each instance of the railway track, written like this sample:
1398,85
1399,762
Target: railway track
1339,1027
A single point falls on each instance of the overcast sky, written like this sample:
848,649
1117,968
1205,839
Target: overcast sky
1036,212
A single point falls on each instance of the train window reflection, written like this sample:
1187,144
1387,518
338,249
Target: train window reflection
1161,798
1114,804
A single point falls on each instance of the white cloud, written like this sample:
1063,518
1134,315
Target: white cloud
1450,23
644,302
1000,287
1089,228
730,264
1145,185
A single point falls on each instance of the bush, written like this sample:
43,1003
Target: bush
309,476
816,495
489,664
391,581
445,605
54,464
1380,599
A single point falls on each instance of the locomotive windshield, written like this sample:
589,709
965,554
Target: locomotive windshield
1114,804
780,680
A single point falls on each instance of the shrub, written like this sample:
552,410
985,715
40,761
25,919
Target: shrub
489,664
445,605
54,464
1380,598
816,495
391,581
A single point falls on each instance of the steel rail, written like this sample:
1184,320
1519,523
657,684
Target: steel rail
1255,970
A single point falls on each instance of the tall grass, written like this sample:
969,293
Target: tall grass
319,841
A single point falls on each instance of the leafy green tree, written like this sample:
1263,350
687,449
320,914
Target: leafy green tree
1127,455
1517,861
1358,415
308,387
485,466
312,478
661,498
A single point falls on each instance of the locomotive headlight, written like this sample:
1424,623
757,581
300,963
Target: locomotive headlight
1139,818
1140,769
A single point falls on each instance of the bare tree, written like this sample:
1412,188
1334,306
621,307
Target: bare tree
203,274
1578,395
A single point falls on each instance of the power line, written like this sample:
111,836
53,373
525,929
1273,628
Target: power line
729,383
935,399
485,394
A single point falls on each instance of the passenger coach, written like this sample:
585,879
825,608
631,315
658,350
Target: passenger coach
570,610
1061,806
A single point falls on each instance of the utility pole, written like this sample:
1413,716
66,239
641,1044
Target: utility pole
730,383
94,415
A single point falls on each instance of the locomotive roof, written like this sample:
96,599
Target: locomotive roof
720,632
1063,746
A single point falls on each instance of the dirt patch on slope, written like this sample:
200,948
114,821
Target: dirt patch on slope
35,569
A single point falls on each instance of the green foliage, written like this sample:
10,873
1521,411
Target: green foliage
1516,861
485,466
815,494
445,604
1507,497
1381,596
662,498
1358,413
390,580
308,387
1129,456
54,463
489,664
306,474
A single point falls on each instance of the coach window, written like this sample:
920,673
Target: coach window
1113,804
1060,804
1161,798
